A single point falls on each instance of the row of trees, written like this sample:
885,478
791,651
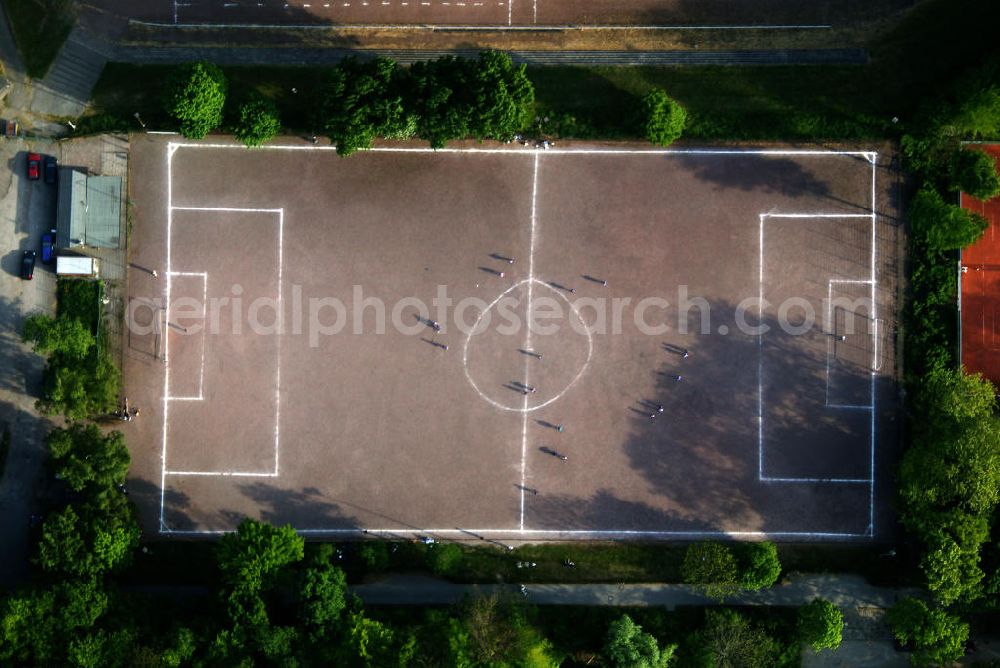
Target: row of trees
81,379
277,601
436,100
196,96
949,476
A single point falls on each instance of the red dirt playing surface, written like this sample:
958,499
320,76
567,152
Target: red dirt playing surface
393,433
981,289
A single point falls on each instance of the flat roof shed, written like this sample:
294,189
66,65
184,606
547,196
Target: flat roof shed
89,210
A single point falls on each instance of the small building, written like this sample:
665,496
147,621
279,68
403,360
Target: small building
88,213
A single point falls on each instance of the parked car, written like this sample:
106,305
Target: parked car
50,170
28,265
34,166
49,247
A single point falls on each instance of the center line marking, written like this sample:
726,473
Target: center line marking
527,336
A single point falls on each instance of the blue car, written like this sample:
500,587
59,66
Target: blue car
49,247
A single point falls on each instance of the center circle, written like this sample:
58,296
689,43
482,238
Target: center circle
518,370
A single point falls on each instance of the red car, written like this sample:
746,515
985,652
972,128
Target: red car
34,166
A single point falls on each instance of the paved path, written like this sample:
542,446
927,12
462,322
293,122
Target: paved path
304,56
867,643
41,105
845,591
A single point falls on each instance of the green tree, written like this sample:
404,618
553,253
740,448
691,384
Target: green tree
934,635
80,390
442,558
196,95
729,640
85,546
662,118
951,560
436,96
947,396
944,472
712,568
975,173
258,122
251,557
65,336
362,101
499,633
943,226
628,646
371,641
374,556
38,626
89,461
503,98
820,625
760,566
322,594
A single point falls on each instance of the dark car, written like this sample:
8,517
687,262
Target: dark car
28,265
34,166
50,170
49,247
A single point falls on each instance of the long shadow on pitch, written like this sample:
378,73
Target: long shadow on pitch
304,508
703,455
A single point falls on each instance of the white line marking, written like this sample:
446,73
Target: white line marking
475,327
167,398
840,481
232,474
225,209
874,314
435,26
760,352
552,151
830,342
819,215
171,148
281,331
608,533
871,156
527,335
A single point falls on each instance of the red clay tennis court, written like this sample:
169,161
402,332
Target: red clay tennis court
980,288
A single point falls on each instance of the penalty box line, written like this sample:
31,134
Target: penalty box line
204,314
831,345
167,399
870,481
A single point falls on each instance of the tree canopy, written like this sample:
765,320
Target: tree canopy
253,554
935,636
975,173
713,568
258,121
88,460
759,565
820,624
662,118
196,96
943,226
628,646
